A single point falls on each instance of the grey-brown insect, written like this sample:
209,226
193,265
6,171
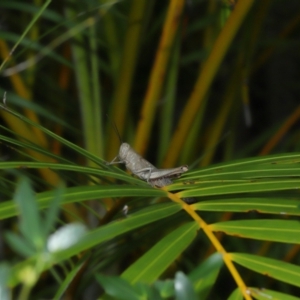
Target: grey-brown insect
143,169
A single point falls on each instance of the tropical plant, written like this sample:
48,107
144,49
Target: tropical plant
76,227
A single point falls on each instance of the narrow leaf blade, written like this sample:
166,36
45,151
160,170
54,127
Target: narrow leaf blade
246,204
277,269
286,231
160,256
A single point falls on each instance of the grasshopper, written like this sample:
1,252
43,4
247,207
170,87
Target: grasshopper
143,169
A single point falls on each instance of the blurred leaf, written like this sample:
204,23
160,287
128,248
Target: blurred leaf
205,275
52,211
236,295
20,245
84,193
265,294
273,268
30,223
66,236
117,227
183,287
148,267
118,287
5,293
285,231
165,287
67,281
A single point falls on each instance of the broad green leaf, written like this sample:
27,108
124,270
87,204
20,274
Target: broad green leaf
287,231
265,294
154,262
205,275
273,268
262,205
84,193
117,287
183,287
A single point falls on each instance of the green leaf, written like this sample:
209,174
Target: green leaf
165,288
53,210
183,287
19,244
286,231
113,229
265,294
105,233
273,268
30,223
245,204
249,167
236,295
205,275
5,293
109,171
250,186
117,287
67,280
84,193
154,262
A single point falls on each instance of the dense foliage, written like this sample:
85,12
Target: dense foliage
205,83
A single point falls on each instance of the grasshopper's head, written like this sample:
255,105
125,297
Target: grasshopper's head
124,149
184,168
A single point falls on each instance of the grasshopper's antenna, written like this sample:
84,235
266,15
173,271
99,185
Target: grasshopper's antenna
115,129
